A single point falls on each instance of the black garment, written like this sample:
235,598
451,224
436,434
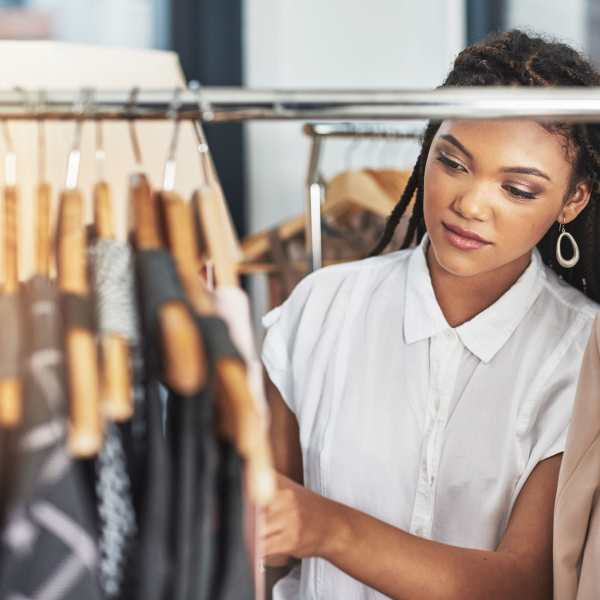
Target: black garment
157,283
47,548
153,561
211,559
234,575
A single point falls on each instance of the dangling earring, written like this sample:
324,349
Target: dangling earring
562,261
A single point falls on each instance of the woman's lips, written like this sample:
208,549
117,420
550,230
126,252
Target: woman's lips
462,242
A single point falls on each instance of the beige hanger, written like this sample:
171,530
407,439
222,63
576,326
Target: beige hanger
241,420
11,393
43,204
81,353
346,191
115,374
183,350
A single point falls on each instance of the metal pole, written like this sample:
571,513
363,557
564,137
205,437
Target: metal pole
240,104
313,208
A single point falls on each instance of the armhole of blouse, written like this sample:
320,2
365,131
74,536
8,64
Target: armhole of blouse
275,357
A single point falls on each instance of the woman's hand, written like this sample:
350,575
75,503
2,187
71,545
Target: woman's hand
299,522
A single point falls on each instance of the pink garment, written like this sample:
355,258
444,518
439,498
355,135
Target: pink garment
234,308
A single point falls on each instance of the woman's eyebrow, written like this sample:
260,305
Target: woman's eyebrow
526,171
450,138
523,170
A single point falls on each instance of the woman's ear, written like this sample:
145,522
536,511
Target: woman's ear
576,202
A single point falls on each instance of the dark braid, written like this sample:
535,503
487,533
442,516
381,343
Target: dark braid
518,59
394,218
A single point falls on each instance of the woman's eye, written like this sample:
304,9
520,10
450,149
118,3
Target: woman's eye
451,164
518,193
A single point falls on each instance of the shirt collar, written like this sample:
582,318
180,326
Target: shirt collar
486,333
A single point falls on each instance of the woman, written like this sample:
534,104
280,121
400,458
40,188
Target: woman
424,395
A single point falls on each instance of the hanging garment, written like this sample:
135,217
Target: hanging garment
234,573
577,509
10,367
112,267
348,237
157,283
152,560
234,307
211,558
48,547
431,418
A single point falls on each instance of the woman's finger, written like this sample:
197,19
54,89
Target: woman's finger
275,545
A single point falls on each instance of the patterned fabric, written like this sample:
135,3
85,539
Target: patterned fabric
114,288
47,550
115,510
112,266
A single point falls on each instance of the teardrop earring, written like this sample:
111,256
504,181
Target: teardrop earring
562,261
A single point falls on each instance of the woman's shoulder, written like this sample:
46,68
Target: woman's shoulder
569,298
318,290
319,302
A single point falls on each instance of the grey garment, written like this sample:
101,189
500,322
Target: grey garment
47,549
112,268
113,274
117,518
12,329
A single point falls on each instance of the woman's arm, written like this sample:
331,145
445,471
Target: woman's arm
301,523
285,438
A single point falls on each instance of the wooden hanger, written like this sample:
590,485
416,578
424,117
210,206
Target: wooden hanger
115,385
183,350
11,400
86,427
43,201
246,427
350,190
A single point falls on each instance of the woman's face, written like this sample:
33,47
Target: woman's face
504,181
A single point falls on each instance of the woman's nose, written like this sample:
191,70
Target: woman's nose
474,203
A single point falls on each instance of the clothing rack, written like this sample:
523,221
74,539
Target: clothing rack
231,104
314,187
228,104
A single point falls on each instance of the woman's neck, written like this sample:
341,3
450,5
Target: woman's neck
462,298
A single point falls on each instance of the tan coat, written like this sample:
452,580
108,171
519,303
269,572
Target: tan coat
577,510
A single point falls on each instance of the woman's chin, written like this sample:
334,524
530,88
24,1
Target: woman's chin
457,262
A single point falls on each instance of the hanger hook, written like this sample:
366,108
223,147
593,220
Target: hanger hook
350,150
39,108
99,154
203,148
10,160
80,107
171,163
135,143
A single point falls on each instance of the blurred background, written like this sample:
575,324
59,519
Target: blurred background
298,44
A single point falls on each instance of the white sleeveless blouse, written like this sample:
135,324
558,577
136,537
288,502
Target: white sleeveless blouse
429,428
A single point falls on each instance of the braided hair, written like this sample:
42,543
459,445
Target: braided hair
516,58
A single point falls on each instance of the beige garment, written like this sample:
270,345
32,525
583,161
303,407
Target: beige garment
576,516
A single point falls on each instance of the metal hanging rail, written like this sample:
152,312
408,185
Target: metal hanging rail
231,104
314,186
357,131
241,104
